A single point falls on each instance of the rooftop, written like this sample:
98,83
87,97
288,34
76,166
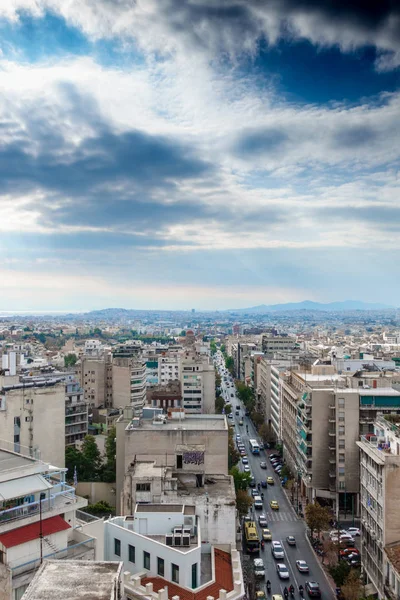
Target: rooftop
75,580
193,422
393,554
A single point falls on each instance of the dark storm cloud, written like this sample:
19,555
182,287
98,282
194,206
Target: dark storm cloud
354,137
262,141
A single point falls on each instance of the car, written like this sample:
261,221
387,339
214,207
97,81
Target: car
266,535
347,551
262,521
312,588
264,483
245,460
302,566
263,464
246,469
354,560
253,482
260,595
270,480
230,416
282,571
237,407
242,452
258,502
231,395
240,422
354,531
259,569
277,550
238,437
291,540
334,532
278,470
274,505
254,492
277,597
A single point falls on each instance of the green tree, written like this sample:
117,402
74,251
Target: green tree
257,418
240,479
100,509
285,472
182,333
229,364
243,502
223,349
219,405
41,337
74,458
339,572
97,331
91,458
213,348
317,517
233,454
266,433
70,360
108,473
351,589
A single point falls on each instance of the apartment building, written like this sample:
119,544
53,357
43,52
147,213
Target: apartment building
379,494
38,519
169,368
271,344
165,396
77,580
197,383
163,547
76,413
129,376
32,414
322,419
94,374
178,458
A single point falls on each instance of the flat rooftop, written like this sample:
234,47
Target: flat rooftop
10,460
192,422
75,580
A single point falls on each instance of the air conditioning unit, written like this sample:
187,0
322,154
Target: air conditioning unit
177,530
186,531
169,539
185,540
177,540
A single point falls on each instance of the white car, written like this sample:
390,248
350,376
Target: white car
354,531
282,571
277,550
246,469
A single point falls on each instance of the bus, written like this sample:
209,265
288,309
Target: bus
251,541
254,446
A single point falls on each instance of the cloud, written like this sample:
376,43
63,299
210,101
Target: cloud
265,141
229,26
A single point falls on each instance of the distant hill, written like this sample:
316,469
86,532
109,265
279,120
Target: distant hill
313,306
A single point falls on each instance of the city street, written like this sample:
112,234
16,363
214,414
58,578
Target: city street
281,523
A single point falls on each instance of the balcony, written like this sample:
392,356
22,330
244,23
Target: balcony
332,460
332,474
62,498
332,432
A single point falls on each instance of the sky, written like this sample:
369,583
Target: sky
207,154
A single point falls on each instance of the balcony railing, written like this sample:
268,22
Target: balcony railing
66,494
73,550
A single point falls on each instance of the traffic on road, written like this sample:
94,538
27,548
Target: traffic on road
289,565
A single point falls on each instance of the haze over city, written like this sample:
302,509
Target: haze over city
170,154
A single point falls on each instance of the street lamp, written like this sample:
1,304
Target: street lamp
41,498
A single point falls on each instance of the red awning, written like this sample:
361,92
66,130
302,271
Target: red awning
22,535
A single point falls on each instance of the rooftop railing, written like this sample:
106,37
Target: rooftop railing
61,494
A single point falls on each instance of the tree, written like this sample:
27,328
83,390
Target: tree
213,348
257,418
100,509
91,458
285,472
219,405
233,454
240,479
243,502
74,459
109,469
266,433
317,517
339,572
223,348
97,331
228,409
351,589
70,360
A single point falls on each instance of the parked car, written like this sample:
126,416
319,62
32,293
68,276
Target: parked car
353,531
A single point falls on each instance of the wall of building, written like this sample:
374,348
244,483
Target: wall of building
184,560
97,491
121,385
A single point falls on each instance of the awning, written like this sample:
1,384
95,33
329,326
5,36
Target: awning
24,486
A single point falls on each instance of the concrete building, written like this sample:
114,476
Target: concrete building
165,396
169,368
129,376
342,414
94,374
182,458
76,413
197,383
77,580
32,414
379,494
162,547
93,348
38,519
272,344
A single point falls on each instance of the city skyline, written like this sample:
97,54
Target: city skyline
213,155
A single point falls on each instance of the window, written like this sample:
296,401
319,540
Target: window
117,547
16,439
17,421
131,553
341,401
143,487
341,429
160,566
179,461
341,471
342,443
341,458
341,415
175,573
194,575
146,560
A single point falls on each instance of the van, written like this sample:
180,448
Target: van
258,503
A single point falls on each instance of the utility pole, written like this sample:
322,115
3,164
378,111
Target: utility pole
41,527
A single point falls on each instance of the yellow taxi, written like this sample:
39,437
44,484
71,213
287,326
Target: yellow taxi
274,505
266,535
277,597
270,480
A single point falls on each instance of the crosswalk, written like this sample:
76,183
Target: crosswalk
274,515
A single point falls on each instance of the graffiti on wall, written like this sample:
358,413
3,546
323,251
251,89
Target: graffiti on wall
193,458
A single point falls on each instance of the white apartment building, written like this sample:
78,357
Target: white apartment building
129,376
198,383
379,495
162,547
76,413
169,368
32,414
273,344
93,348
38,519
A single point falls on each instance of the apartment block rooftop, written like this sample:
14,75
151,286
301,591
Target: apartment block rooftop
76,580
178,419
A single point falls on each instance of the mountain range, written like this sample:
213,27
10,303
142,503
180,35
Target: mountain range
346,305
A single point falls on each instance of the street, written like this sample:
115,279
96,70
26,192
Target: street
281,523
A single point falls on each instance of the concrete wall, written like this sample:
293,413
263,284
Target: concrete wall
97,491
92,373
209,390
121,384
23,553
46,430
184,560
321,399
352,429
391,494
